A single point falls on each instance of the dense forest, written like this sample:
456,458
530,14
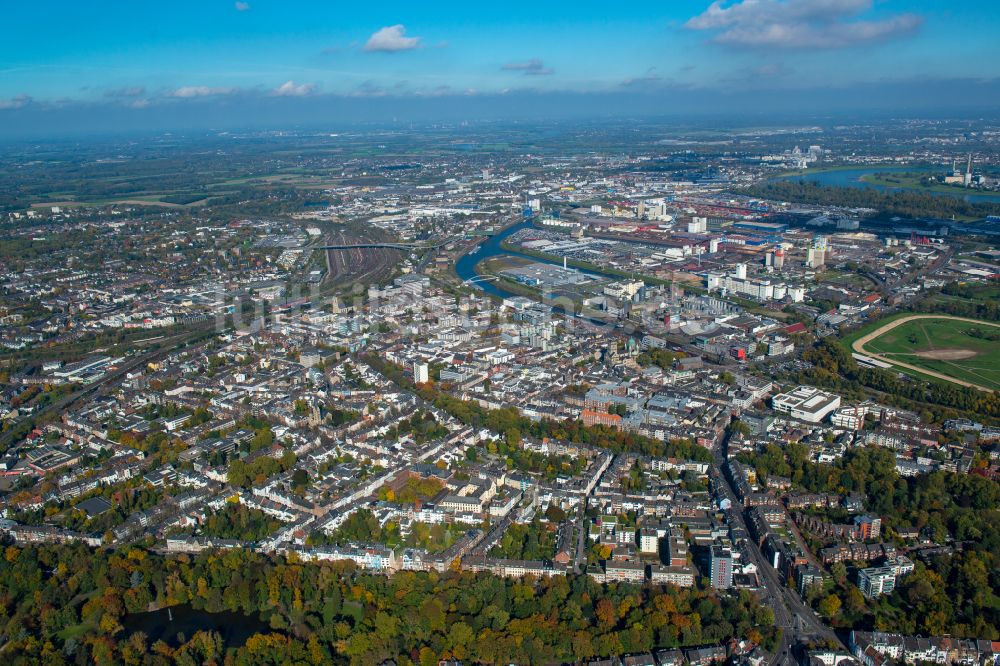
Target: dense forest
901,203
69,604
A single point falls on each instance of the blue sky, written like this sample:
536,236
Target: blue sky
139,55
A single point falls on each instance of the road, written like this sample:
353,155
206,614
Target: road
859,347
580,561
797,621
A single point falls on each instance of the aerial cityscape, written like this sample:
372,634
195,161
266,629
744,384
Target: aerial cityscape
384,358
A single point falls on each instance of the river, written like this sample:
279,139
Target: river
466,266
852,178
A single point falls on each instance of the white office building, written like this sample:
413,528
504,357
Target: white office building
420,373
806,403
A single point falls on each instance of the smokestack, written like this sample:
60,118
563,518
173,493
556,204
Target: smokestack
565,267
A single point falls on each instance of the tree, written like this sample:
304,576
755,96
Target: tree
606,612
262,439
555,513
830,606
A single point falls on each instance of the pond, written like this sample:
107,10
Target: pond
165,624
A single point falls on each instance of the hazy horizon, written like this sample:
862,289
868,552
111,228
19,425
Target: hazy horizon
191,66
330,112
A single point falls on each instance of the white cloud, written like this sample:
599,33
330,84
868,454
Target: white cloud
391,39
242,6
200,91
15,102
533,67
292,89
799,24
718,15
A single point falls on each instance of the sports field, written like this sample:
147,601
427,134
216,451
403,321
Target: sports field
963,351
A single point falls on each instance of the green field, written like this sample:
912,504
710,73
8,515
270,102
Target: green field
915,181
947,346
850,338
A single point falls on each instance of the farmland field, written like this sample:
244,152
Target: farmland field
963,351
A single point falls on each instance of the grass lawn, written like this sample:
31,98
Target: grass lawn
849,339
76,631
913,182
945,346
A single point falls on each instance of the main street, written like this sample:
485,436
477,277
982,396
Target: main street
799,624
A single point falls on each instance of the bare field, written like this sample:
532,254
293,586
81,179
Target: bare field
947,354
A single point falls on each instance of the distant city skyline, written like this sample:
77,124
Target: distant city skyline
199,60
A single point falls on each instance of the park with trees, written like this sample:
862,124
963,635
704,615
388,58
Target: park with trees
67,604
